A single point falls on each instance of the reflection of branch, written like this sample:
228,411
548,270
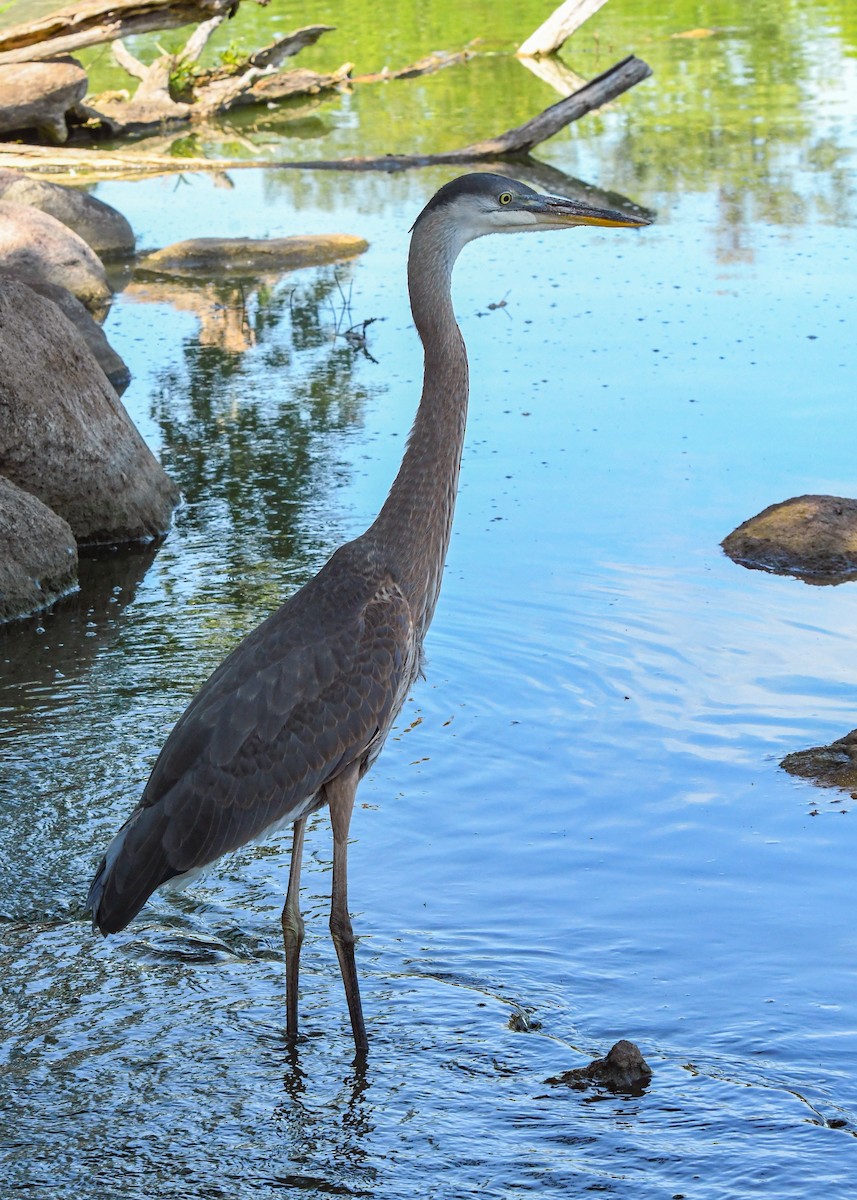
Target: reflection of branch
424,66
514,143
554,73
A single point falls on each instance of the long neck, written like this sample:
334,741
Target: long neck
415,522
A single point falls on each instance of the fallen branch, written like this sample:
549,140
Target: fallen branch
559,26
158,101
514,143
424,66
95,21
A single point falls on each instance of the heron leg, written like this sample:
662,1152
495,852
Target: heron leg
293,930
340,796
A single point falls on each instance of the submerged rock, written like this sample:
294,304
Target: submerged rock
827,766
38,554
102,227
811,537
64,434
36,246
211,256
623,1069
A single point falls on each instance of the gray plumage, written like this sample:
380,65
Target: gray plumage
297,713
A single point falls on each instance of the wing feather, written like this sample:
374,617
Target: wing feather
303,696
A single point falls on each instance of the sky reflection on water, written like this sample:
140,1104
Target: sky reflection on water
580,816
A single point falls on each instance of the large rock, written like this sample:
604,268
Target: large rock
812,537
38,555
37,95
103,229
64,434
214,257
110,362
36,246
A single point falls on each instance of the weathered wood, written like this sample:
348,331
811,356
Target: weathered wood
255,81
605,87
423,66
515,143
559,26
94,21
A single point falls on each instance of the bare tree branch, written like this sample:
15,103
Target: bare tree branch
94,21
515,143
559,26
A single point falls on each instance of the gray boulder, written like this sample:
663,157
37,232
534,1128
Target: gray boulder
110,362
64,434
38,555
103,229
38,95
36,246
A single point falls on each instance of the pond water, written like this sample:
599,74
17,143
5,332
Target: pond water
580,820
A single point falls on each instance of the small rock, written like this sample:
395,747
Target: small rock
110,362
38,554
37,96
64,434
35,245
213,256
827,766
811,537
623,1069
103,229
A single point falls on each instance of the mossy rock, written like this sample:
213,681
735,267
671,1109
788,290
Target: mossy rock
811,537
215,257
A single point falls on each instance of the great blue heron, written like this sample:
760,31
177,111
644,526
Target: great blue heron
298,712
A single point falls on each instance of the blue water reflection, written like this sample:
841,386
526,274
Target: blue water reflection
580,816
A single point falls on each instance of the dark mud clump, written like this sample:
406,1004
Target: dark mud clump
623,1069
827,766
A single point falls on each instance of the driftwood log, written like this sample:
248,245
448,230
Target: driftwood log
514,143
559,26
95,21
160,100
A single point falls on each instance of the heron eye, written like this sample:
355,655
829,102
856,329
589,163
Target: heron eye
505,198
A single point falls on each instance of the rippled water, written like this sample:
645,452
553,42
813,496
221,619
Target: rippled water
580,819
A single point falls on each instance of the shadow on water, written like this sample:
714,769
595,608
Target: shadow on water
50,651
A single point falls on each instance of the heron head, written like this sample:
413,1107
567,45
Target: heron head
482,203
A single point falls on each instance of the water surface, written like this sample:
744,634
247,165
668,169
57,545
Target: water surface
580,817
